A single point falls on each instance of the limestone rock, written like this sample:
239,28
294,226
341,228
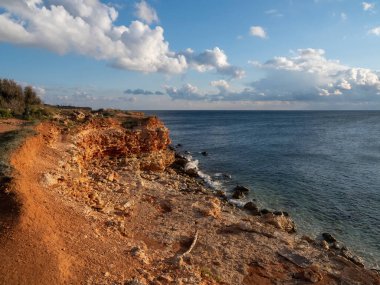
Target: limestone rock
281,222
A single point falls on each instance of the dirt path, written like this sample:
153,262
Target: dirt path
48,241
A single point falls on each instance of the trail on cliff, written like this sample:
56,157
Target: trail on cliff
95,201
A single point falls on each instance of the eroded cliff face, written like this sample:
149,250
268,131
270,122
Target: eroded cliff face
144,138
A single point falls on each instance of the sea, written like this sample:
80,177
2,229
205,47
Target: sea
323,167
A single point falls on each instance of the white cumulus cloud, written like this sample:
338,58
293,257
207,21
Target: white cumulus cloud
186,92
368,6
375,31
258,31
222,85
87,27
309,74
212,59
146,13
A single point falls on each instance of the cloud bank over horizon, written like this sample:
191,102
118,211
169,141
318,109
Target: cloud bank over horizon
307,75
87,27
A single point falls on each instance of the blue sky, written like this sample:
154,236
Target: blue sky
288,54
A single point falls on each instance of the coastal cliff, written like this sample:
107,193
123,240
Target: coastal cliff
99,198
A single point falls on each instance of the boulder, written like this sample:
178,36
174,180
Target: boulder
329,238
252,208
240,192
281,222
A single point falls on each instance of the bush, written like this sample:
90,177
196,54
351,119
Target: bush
5,113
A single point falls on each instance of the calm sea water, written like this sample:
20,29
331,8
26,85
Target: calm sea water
321,167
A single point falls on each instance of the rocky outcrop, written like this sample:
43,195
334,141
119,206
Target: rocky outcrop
145,138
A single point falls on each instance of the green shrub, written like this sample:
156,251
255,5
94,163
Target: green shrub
5,113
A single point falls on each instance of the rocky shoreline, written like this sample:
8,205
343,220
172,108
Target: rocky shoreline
280,219
105,200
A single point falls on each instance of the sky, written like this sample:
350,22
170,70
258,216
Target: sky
195,54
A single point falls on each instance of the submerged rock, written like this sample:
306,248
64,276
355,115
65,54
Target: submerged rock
204,153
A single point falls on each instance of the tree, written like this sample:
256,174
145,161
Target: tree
17,99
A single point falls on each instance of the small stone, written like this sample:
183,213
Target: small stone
111,177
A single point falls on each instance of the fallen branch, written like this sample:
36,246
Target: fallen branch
178,259
191,246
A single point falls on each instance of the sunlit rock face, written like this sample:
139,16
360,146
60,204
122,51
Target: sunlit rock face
145,138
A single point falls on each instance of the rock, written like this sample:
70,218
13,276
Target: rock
309,275
325,245
111,177
328,237
281,222
353,258
277,213
226,176
179,145
265,211
180,162
308,239
166,279
221,194
193,172
49,179
337,245
210,208
140,254
204,153
240,192
252,208
135,281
